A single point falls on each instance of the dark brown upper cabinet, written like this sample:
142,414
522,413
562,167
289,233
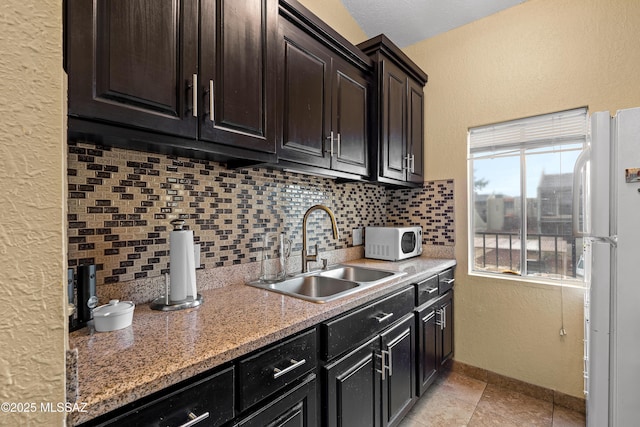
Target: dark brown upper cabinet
324,97
350,113
237,68
134,62
397,147
201,71
415,129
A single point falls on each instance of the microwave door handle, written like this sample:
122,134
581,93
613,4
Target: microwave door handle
580,166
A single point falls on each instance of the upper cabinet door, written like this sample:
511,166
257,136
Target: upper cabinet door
133,62
393,101
398,156
350,96
238,73
305,98
415,127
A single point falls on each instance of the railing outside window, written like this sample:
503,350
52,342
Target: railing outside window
548,255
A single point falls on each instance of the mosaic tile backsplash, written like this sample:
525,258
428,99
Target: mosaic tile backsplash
120,204
430,206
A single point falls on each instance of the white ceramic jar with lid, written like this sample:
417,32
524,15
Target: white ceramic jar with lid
113,316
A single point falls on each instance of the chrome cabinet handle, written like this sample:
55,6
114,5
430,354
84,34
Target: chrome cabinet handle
381,370
194,419
384,366
413,163
449,281
338,144
383,316
430,290
330,138
390,362
331,143
407,160
211,100
194,95
277,373
441,321
444,317
429,316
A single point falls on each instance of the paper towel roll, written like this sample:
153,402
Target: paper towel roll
182,269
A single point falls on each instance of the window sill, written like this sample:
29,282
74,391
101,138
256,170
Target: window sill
530,280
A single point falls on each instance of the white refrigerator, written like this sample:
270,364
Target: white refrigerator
609,221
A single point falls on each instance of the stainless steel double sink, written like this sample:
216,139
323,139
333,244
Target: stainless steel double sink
326,285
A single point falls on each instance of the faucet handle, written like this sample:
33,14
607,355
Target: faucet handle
324,263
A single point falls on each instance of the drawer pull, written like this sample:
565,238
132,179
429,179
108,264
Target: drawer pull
430,290
383,316
277,373
448,281
194,419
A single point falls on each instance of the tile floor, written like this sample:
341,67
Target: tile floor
457,400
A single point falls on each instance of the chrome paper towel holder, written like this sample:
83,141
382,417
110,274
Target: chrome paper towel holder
180,292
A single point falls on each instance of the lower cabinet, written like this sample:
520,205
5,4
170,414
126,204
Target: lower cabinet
446,328
398,383
363,368
435,339
427,347
352,388
372,385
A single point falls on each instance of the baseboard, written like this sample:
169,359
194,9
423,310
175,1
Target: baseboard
561,399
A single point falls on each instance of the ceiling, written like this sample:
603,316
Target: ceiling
408,21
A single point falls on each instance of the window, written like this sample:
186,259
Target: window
520,192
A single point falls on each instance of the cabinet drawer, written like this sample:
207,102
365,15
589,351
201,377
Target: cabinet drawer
210,398
295,407
426,290
445,281
343,333
273,368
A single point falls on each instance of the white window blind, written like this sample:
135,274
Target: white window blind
564,127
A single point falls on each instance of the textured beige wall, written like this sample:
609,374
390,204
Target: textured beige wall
32,330
538,57
338,17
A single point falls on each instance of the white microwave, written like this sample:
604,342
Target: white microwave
392,243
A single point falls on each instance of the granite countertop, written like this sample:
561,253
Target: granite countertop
160,349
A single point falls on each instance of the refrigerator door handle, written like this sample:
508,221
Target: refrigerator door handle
580,165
